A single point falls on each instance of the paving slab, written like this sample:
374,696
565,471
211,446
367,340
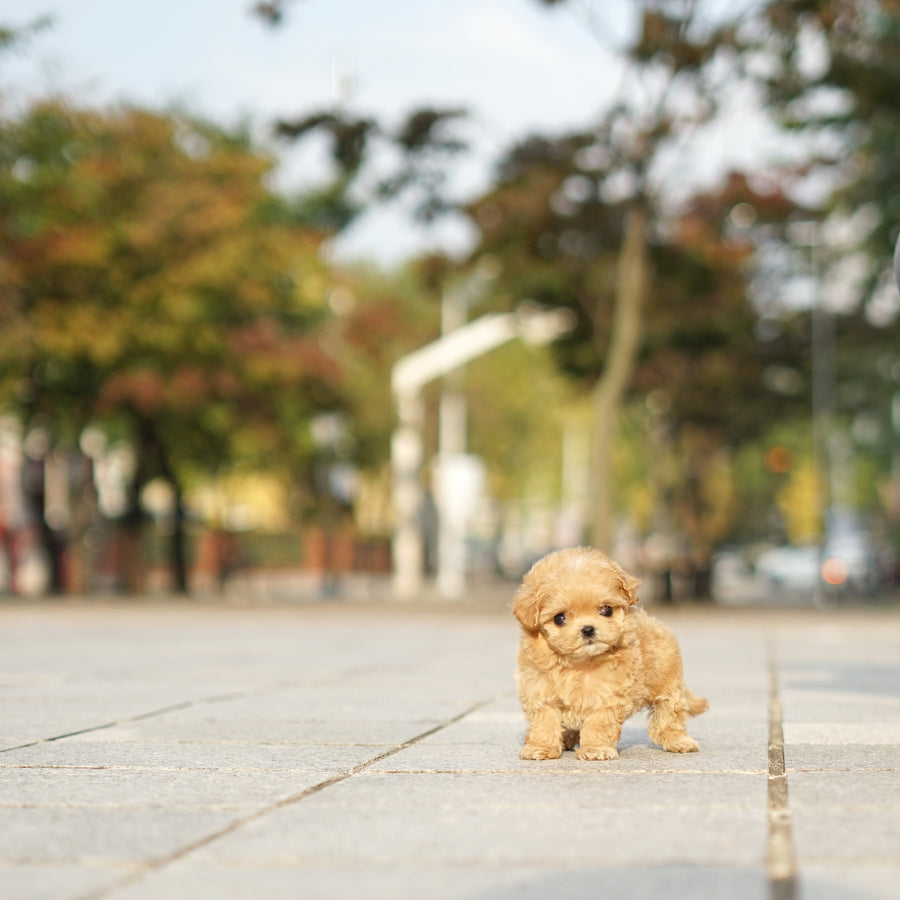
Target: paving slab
446,882
839,881
24,880
159,788
840,687
378,819
221,756
96,836
635,755
160,750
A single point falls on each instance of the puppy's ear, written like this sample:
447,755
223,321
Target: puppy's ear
630,587
526,607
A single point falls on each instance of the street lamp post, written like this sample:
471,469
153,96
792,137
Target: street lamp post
408,377
452,420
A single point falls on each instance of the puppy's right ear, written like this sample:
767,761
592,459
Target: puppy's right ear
526,607
630,588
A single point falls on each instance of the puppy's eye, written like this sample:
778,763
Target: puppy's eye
560,619
606,611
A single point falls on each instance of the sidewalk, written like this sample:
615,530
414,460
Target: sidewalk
200,751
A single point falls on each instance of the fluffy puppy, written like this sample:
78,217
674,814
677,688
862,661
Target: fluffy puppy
588,660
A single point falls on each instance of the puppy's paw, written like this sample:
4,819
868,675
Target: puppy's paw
533,751
597,753
681,745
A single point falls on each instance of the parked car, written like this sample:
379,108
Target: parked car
790,569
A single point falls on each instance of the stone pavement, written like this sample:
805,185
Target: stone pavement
199,751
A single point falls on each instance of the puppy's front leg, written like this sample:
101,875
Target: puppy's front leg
545,738
599,736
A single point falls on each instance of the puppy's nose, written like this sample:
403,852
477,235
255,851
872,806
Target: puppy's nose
588,631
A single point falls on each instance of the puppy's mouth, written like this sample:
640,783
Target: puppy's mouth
594,647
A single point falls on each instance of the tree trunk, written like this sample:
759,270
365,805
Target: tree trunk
51,541
624,345
130,559
178,568
153,458
178,548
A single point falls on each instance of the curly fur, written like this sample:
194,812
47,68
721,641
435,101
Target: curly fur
588,660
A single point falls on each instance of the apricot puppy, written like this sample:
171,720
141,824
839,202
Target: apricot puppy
588,660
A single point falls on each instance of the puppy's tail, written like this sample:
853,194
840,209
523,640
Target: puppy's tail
695,704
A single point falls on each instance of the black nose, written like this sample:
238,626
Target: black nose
588,631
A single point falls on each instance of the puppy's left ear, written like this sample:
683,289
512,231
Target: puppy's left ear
526,607
630,587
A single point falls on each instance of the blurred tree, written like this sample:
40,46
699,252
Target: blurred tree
703,354
609,184
707,374
419,150
699,369
151,282
412,158
270,11
12,37
381,316
830,70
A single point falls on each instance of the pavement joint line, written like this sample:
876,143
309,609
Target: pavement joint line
782,870
201,701
139,717
155,865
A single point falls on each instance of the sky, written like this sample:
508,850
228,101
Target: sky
515,65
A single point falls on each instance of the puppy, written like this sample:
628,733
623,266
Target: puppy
588,660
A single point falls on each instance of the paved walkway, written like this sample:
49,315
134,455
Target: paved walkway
196,751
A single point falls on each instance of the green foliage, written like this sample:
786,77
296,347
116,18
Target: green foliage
381,318
833,73
557,240
519,408
12,37
421,146
545,221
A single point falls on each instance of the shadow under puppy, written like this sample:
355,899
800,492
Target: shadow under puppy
588,660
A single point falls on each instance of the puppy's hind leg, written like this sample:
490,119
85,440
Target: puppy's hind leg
666,726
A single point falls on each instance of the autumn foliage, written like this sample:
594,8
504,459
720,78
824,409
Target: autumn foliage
151,281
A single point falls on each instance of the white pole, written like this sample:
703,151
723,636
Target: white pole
409,375
451,558
406,464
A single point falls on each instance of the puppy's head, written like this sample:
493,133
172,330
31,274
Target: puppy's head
578,600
